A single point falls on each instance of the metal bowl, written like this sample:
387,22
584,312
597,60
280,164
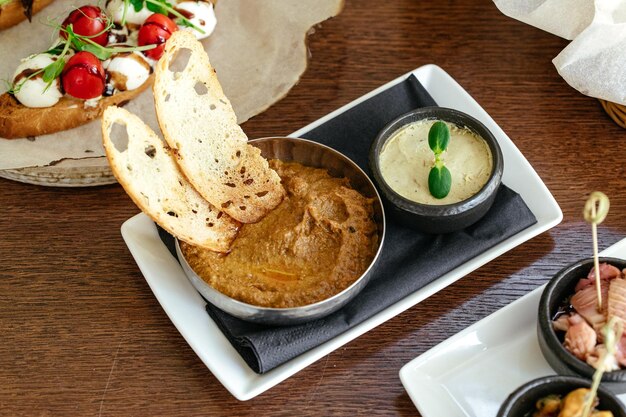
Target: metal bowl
311,154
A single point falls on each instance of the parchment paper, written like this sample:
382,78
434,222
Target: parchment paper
258,50
594,62
564,18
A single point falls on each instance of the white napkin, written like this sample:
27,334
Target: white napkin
594,63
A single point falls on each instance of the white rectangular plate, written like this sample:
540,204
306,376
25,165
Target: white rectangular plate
473,372
186,308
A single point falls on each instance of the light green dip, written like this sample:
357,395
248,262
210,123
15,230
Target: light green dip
406,160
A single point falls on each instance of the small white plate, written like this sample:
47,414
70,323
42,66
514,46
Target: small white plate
185,307
473,372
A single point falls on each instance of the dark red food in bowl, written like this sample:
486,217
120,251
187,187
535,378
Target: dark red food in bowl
558,289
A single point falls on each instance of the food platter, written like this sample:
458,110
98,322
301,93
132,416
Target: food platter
471,373
186,309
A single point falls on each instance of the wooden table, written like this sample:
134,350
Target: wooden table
82,333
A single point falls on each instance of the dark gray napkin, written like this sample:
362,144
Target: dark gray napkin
409,259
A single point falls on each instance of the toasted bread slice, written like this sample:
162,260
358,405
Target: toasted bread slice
199,123
150,176
19,121
14,12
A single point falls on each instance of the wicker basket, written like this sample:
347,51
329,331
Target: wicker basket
617,112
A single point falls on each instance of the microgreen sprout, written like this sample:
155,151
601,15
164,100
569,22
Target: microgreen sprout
76,42
439,178
85,43
163,7
126,4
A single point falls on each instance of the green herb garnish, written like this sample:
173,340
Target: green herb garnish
55,69
76,42
160,6
84,43
439,178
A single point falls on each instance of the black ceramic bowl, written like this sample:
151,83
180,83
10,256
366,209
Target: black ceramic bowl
522,400
438,218
558,289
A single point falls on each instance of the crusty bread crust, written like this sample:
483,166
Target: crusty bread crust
150,176
19,121
199,124
13,13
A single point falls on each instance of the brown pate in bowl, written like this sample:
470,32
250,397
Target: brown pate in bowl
316,243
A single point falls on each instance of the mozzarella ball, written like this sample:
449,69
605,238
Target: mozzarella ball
127,70
201,14
34,91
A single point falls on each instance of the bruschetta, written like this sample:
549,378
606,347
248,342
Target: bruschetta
101,58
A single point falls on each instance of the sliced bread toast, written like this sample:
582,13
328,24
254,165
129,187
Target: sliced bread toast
19,121
199,124
150,176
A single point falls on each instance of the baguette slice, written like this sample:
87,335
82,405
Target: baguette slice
14,12
150,176
199,123
19,121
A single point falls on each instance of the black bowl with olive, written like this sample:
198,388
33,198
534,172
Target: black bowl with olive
552,394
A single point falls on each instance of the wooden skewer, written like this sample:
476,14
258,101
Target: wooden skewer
595,211
612,332
596,260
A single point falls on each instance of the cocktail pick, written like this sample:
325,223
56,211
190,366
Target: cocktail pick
595,211
612,332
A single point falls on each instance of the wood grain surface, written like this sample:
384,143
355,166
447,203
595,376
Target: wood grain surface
83,335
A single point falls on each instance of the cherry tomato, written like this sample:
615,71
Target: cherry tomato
83,76
156,30
88,21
